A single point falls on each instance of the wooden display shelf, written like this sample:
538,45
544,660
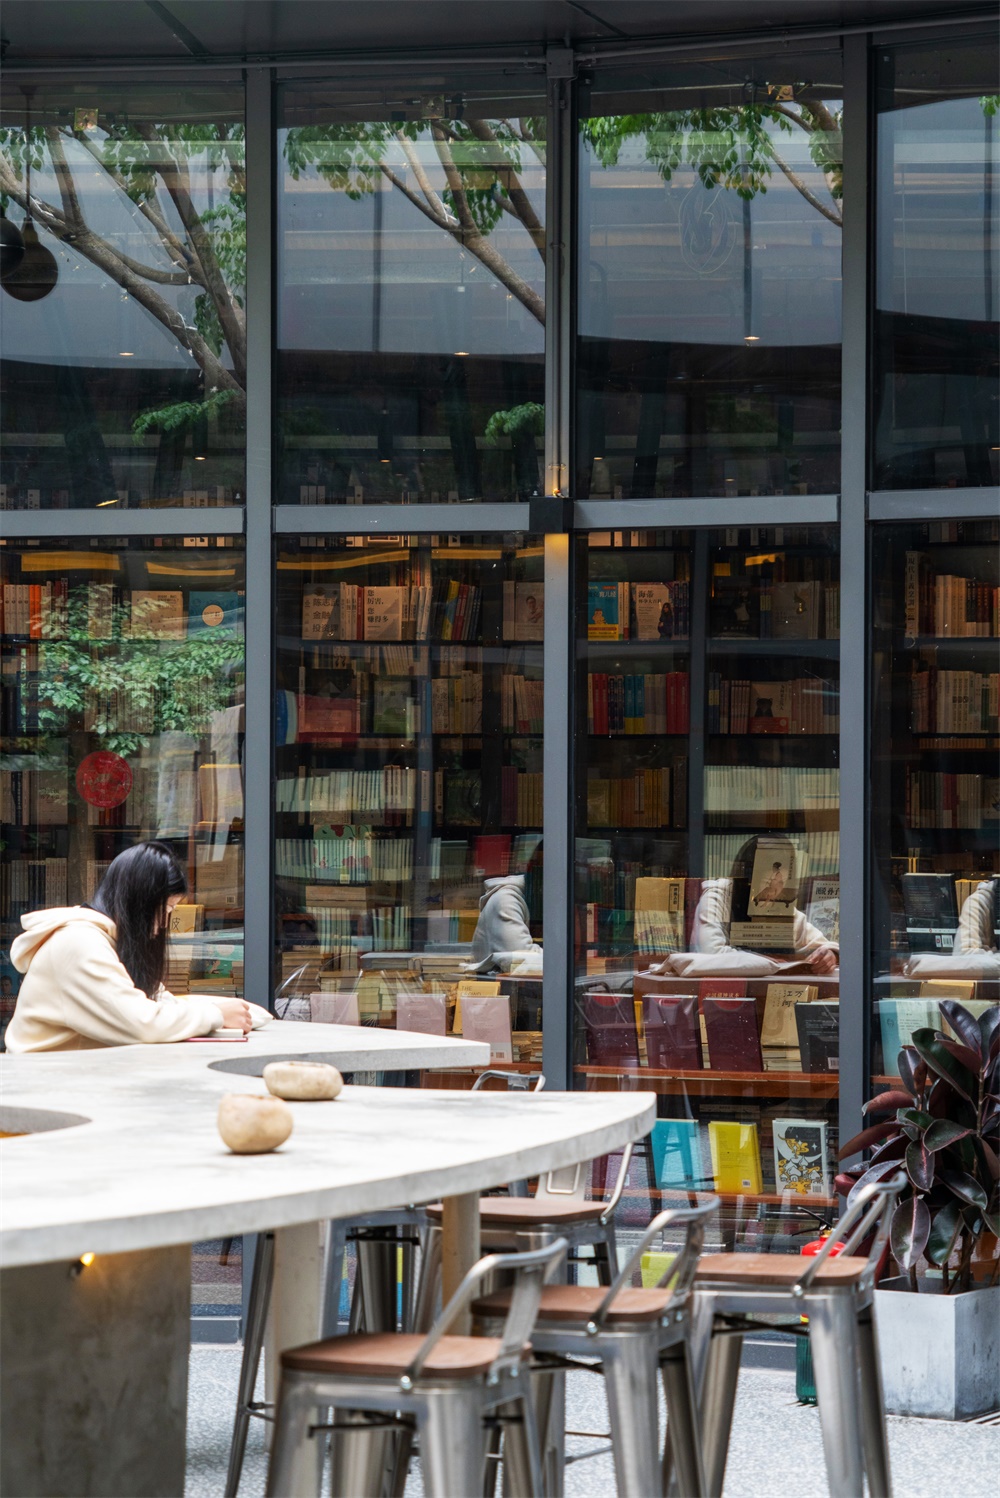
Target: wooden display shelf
751,1084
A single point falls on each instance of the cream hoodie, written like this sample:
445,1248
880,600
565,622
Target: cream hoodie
77,995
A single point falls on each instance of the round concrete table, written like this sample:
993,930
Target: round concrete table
94,1359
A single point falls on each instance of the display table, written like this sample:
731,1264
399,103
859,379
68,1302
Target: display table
94,1358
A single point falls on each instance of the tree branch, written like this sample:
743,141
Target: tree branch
519,199
476,243
423,181
450,225
809,196
177,251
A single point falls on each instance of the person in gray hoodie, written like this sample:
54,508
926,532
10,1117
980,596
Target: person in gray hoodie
503,926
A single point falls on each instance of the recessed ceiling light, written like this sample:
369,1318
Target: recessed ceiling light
102,502
126,353
461,353
751,338
199,457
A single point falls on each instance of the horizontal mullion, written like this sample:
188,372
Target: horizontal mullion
226,520
394,520
934,504
658,514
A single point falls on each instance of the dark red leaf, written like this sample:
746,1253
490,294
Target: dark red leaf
935,1051
888,1102
965,1187
961,1053
893,1149
872,1174
911,1227
990,1157
920,1165
944,1231
868,1137
843,1183
965,1026
912,1071
944,1131
989,1029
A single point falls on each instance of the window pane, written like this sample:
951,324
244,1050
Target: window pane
707,858
710,249
938,267
124,320
409,785
936,792
123,720
412,284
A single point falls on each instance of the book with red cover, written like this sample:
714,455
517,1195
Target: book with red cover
731,1028
673,1032
609,1020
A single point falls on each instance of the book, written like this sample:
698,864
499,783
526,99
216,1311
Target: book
393,707
220,793
223,1035
214,613
334,1008
186,918
823,906
931,908
735,1151
673,1031
423,1013
658,612
659,915
609,1021
676,1153
158,614
523,611
731,1030
818,1025
486,1017
801,1156
463,796
607,619
770,707
898,1018
384,610
778,1027
795,610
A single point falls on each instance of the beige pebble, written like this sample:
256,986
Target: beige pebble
302,1081
252,1124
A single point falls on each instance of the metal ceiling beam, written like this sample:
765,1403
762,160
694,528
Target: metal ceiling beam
178,31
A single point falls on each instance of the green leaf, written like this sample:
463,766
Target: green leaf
935,1052
965,1188
944,1230
910,1230
943,1132
920,1165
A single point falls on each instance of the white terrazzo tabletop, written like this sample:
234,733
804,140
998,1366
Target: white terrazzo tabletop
147,1168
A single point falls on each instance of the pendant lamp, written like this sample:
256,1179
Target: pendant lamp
35,274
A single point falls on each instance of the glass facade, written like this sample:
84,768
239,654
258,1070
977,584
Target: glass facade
937,281
709,280
686,677
411,305
123,677
124,308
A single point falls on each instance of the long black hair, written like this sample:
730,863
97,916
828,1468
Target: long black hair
134,894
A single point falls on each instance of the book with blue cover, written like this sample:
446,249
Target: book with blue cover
215,613
676,1152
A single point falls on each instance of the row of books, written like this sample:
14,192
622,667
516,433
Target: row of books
819,852
349,795
654,703
946,606
771,789
31,883
649,798
522,704
456,703
34,798
725,1154
638,611
48,610
954,701
520,797
807,704
445,610
343,856
939,799
754,606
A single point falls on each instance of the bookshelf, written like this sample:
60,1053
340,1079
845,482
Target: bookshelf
122,682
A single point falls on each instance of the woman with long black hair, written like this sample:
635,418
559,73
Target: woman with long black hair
94,973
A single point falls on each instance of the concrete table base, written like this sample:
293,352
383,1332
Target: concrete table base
105,1349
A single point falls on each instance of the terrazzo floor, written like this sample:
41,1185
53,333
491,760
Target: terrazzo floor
776,1450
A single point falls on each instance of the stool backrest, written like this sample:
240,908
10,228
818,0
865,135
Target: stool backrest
571,1182
530,1272
516,1081
868,1212
679,1275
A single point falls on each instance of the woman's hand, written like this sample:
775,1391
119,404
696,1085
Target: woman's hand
235,1014
824,959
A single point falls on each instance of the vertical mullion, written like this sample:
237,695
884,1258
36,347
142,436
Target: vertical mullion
258,792
557,650
854,767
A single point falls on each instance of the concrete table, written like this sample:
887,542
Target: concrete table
94,1359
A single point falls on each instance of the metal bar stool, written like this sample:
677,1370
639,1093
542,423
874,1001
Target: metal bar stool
378,1237
442,1387
635,1334
836,1296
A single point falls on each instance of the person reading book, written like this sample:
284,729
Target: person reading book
502,926
93,974
974,954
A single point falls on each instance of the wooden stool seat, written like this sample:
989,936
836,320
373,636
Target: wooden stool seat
779,1270
567,1303
529,1212
389,1354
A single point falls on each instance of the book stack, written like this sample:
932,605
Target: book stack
769,792
520,797
648,704
640,800
803,705
946,606
954,701
456,703
522,704
373,796
936,799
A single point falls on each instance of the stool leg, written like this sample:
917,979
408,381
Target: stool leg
377,1265
835,1364
630,1369
429,1281
718,1397
522,1455
452,1445
359,1457
253,1342
295,1408
550,1407
873,1409
682,1421
333,1277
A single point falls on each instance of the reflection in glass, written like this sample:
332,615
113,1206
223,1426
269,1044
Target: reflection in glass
411,300
122,719
936,797
710,248
409,785
937,286
124,376
707,855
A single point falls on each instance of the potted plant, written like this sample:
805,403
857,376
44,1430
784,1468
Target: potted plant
940,1337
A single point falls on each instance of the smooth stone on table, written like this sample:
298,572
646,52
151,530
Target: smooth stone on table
303,1081
255,1124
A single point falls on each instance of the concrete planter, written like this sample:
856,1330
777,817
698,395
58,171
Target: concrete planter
940,1353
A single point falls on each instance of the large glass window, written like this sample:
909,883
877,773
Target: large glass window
408,798
123,719
411,302
936,791
937,284
124,320
709,280
707,857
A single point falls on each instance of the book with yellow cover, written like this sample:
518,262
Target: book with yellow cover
484,988
778,1026
659,915
735,1151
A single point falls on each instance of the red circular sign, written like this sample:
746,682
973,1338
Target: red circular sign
103,779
